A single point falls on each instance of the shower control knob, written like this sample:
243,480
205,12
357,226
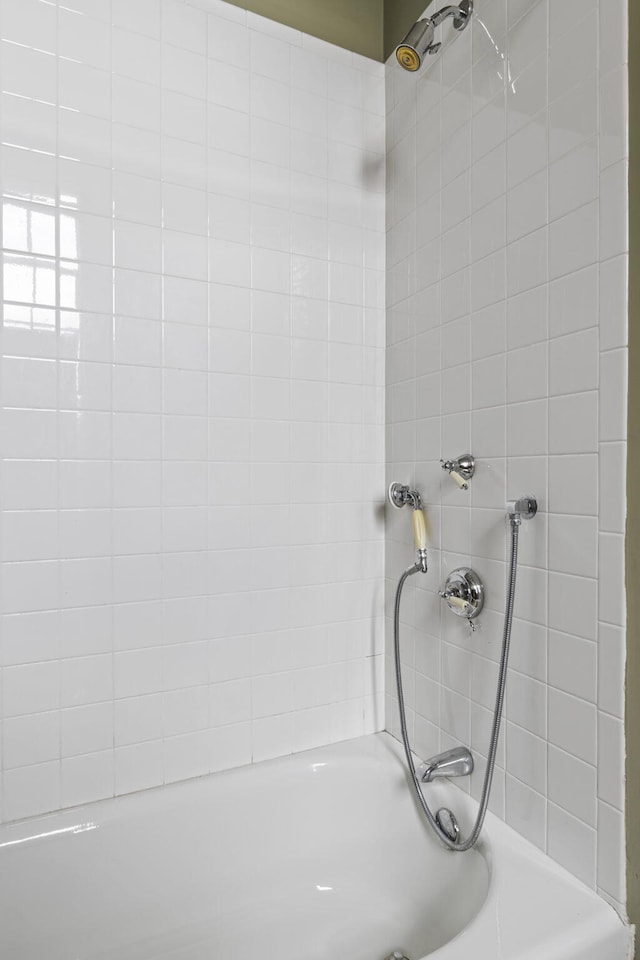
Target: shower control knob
464,593
461,469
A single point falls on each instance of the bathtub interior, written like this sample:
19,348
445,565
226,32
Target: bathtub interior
303,858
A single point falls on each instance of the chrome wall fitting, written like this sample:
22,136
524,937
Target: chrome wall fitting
461,469
400,495
457,762
462,17
523,509
464,593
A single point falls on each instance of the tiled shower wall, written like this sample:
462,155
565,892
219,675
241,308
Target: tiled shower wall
506,335
192,395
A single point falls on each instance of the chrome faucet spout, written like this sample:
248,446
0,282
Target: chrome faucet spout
457,762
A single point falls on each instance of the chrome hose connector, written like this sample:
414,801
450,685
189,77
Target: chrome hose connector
523,509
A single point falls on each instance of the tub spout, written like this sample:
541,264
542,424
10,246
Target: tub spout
457,762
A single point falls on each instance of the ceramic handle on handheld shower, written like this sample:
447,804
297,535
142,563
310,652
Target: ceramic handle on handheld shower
420,537
399,496
419,529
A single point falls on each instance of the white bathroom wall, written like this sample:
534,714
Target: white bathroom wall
192,395
507,260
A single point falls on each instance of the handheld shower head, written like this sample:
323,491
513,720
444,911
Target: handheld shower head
400,495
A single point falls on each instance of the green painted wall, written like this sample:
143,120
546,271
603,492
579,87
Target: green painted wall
632,719
354,24
370,27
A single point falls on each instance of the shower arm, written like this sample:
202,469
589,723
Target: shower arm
457,12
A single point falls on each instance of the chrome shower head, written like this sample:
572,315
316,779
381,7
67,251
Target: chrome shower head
415,45
421,38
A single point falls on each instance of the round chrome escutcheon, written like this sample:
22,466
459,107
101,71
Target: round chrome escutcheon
464,592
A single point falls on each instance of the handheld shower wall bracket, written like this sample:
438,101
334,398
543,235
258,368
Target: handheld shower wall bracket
400,495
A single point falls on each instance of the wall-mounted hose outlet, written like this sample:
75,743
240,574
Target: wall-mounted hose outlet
523,509
461,469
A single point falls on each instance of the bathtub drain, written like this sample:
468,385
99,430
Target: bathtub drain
396,955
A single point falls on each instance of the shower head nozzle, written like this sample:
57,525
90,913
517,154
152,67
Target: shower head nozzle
415,45
408,58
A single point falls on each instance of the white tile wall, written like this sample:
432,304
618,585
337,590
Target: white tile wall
506,334
192,395
192,398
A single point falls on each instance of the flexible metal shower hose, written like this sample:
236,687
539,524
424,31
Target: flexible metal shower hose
461,845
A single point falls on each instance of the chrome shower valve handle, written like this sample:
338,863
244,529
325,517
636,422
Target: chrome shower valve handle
461,469
459,603
464,593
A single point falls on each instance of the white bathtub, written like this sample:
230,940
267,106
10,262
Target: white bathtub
313,857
